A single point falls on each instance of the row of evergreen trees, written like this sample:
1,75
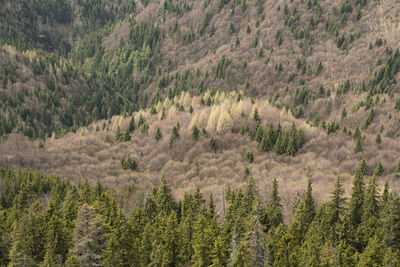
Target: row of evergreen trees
274,138
47,222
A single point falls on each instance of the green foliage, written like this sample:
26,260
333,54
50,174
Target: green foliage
128,163
213,144
363,232
158,135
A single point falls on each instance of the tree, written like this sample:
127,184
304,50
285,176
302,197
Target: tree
249,156
336,208
243,256
273,214
378,139
131,126
358,148
195,132
379,170
89,238
355,210
256,116
219,253
203,241
363,167
158,135
213,144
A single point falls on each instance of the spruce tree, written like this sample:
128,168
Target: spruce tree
364,167
273,214
219,252
379,170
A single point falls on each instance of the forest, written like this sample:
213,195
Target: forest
199,133
45,221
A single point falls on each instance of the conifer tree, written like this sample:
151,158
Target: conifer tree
378,139
195,132
358,148
243,256
258,135
379,170
131,126
273,214
355,211
364,167
165,200
158,135
219,252
20,254
203,241
213,144
256,116
336,208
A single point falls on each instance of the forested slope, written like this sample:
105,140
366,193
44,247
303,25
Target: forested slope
47,222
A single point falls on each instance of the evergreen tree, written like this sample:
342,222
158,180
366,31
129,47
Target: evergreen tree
273,214
131,126
379,170
358,148
158,135
203,241
213,144
219,252
336,208
364,167
378,139
195,132
256,116
243,256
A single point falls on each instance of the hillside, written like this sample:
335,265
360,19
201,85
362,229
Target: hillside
199,133
95,153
